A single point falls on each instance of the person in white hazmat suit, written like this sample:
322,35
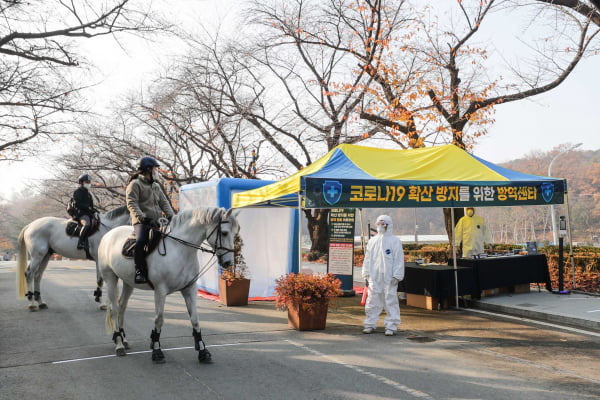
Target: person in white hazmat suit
472,232
383,268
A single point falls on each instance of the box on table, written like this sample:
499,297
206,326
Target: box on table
426,302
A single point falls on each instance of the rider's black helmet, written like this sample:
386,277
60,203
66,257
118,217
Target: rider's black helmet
84,178
146,164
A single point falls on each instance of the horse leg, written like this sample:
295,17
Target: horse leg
113,314
33,275
189,295
98,291
159,307
37,292
123,300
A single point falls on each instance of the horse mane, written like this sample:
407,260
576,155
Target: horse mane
117,212
200,215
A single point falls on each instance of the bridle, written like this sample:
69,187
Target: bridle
214,250
218,249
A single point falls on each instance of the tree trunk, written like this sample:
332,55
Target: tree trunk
459,212
318,229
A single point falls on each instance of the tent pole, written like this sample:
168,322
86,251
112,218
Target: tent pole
362,231
454,256
570,240
299,232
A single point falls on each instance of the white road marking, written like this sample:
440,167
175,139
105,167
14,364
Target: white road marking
140,352
568,328
382,379
413,392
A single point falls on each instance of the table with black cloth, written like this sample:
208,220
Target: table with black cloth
435,280
507,271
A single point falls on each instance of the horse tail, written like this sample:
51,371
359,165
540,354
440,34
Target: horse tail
21,264
109,323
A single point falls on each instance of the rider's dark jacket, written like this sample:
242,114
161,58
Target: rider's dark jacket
84,202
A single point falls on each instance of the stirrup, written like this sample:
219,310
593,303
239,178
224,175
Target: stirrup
140,278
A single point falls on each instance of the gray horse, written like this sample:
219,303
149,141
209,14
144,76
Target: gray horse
172,267
46,236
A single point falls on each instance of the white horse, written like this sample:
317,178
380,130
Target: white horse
46,236
172,267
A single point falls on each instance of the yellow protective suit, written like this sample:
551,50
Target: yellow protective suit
473,234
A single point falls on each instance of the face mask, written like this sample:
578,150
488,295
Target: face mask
381,227
87,185
470,213
155,175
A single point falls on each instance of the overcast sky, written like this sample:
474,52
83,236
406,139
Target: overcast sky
568,114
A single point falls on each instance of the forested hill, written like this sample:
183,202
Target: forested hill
581,168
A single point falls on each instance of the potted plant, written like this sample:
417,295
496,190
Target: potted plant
234,284
306,298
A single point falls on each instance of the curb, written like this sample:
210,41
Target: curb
537,315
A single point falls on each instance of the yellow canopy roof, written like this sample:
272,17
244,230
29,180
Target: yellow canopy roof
430,165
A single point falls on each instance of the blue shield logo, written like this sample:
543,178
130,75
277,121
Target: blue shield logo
332,192
547,191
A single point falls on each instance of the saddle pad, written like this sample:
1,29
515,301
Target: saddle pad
128,248
74,227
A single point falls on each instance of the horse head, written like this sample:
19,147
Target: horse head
222,237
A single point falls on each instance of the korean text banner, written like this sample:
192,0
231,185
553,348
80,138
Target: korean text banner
357,193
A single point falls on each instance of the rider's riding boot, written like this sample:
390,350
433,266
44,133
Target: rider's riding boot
82,243
141,268
140,275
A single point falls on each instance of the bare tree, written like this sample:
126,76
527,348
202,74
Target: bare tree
299,70
589,9
40,88
176,122
432,78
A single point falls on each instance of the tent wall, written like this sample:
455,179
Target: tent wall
269,235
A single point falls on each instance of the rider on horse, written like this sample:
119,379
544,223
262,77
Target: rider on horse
84,208
146,201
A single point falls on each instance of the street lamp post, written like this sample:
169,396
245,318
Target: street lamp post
552,213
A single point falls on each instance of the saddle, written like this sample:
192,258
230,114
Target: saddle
128,250
74,227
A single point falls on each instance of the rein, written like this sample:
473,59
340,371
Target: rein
201,247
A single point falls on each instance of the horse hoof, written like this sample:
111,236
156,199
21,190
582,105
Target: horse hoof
204,357
43,306
103,307
121,352
157,356
33,308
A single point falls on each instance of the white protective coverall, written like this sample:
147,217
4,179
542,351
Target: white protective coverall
472,232
383,267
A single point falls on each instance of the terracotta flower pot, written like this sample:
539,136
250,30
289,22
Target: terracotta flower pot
308,320
234,293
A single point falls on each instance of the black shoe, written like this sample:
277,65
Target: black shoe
140,277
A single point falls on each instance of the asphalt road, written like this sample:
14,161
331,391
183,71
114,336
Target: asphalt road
64,352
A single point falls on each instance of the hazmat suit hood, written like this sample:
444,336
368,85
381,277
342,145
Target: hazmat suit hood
387,220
